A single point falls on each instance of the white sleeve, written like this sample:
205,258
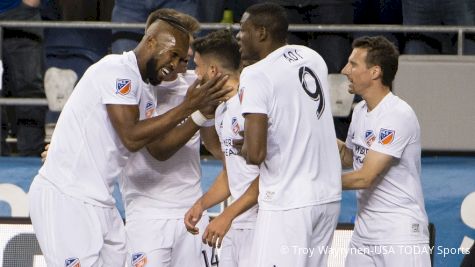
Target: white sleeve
394,133
120,86
255,92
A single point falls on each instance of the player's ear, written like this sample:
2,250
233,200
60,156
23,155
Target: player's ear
262,33
376,72
213,70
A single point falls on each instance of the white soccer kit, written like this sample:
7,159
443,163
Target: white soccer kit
392,211
236,244
302,167
84,160
157,194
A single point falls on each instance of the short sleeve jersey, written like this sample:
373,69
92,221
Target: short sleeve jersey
86,154
153,189
302,166
391,211
229,122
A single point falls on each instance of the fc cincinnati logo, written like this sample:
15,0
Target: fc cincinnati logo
123,86
149,109
386,136
72,262
139,259
369,137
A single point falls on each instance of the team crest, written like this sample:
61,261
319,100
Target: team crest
235,125
386,136
139,259
123,86
149,109
369,137
240,94
72,262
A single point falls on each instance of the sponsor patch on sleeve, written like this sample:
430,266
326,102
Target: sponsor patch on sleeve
123,86
386,136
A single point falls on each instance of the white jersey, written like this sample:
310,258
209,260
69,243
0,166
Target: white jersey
391,211
86,154
229,122
302,166
153,189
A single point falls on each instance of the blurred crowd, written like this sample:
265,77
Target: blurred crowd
28,52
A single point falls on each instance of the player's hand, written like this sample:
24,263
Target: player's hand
210,93
192,217
44,153
216,230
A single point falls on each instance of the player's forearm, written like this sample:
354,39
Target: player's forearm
210,139
245,202
217,193
359,179
172,141
135,133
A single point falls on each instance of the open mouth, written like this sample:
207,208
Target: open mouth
165,71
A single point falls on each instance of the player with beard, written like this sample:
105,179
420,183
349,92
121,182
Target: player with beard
214,53
71,204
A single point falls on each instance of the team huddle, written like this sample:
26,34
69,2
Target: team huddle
263,108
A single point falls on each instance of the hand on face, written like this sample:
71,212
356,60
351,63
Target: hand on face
210,93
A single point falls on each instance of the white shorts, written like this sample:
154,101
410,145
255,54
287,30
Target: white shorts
70,230
294,237
166,243
236,248
413,255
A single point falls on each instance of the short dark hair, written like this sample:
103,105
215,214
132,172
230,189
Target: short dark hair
272,17
220,44
177,19
380,52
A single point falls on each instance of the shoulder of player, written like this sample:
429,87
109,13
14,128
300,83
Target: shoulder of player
400,108
119,64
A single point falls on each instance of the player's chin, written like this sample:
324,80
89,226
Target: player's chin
156,81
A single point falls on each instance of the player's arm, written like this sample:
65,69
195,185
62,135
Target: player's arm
135,133
346,154
254,149
217,193
219,226
210,140
165,147
374,164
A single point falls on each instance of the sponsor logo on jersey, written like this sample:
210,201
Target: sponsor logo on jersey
139,259
72,262
386,136
149,109
123,86
369,137
235,125
240,94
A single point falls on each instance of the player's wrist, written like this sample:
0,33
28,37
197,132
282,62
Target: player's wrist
201,120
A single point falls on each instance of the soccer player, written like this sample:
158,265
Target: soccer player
384,148
71,205
289,133
214,53
150,188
